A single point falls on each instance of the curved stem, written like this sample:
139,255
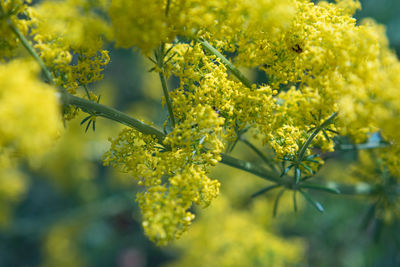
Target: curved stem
167,98
207,46
249,167
260,154
112,114
31,51
309,140
160,62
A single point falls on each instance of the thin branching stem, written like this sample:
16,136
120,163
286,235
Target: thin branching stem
160,54
207,46
31,51
309,140
249,167
92,107
260,154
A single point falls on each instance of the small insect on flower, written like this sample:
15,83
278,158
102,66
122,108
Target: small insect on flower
296,48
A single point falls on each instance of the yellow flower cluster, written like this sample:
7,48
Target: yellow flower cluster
204,80
31,121
226,237
12,10
59,242
317,59
321,62
29,110
175,174
70,43
146,24
13,185
376,168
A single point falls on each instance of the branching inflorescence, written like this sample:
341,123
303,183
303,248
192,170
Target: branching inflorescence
328,77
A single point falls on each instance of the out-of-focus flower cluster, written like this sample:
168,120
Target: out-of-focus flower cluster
31,121
227,237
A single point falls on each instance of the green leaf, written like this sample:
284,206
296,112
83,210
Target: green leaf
88,125
369,216
321,188
287,169
276,203
313,202
312,156
332,131
264,190
307,168
294,201
85,119
297,174
326,135
312,160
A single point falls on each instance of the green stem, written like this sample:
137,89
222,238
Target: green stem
31,51
160,61
363,146
207,46
167,7
260,154
249,167
309,140
112,114
167,98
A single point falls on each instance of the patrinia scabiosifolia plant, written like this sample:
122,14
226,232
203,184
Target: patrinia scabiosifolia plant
330,78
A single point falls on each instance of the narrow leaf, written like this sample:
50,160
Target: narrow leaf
276,203
85,119
307,168
369,216
313,202
294,201
332,131
264,190
321,188
312,160
287,170
152,60
312,156
88,125
297,175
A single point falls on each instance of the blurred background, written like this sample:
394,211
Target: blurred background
72,211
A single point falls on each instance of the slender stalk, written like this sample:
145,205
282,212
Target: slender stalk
160,62
167,7
207,46
249,167
260,154
112,114
309,140
363,146
167,98
31,51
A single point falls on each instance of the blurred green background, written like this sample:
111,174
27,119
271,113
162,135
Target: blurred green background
75,212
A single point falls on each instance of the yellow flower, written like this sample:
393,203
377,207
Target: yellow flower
29,110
